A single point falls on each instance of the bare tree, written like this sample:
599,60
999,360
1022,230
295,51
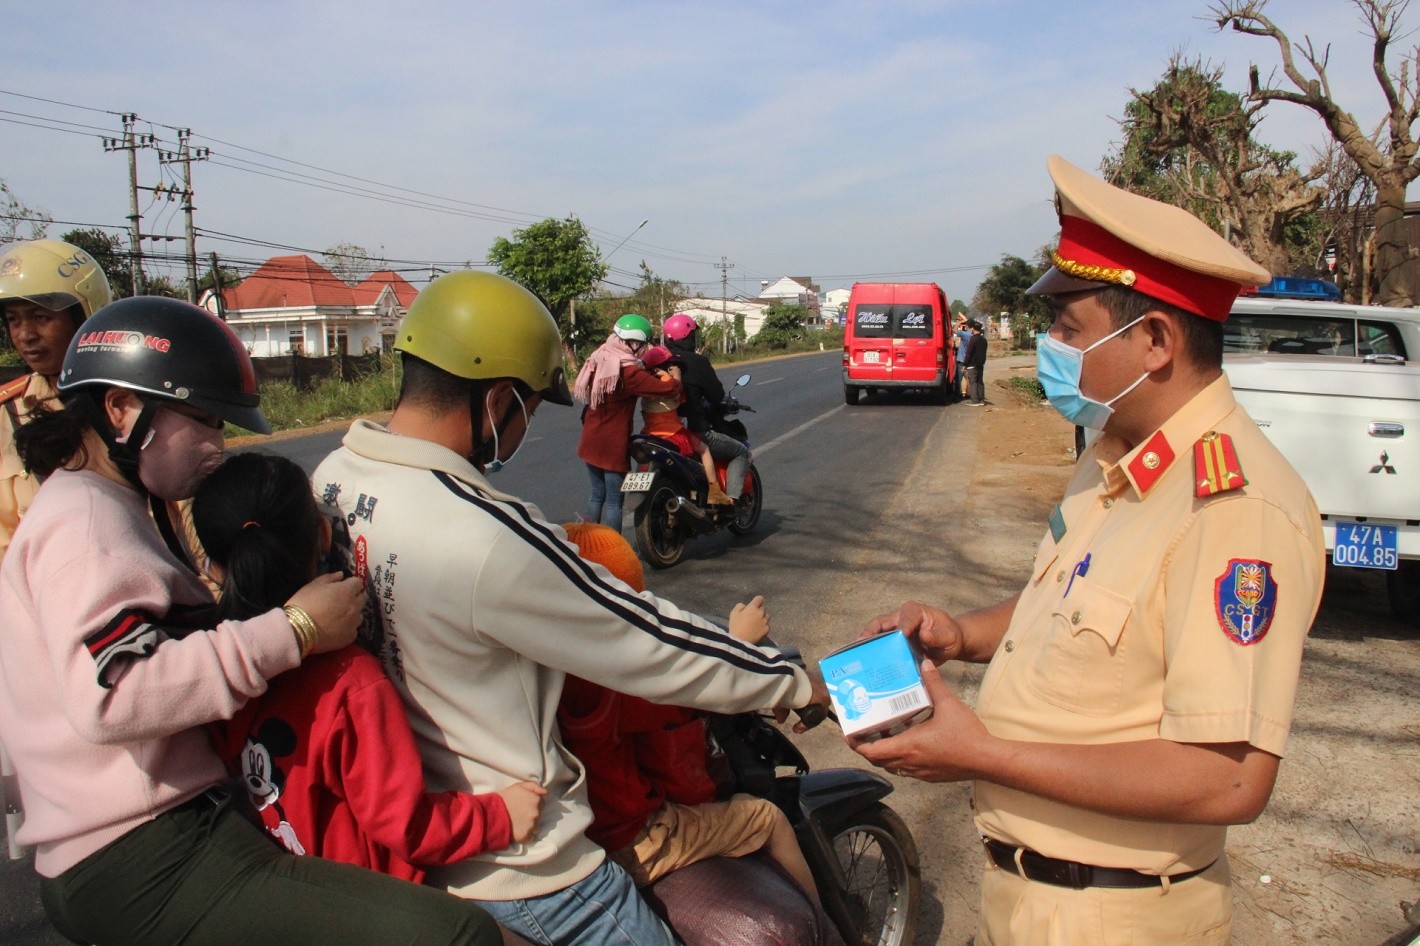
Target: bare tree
1387,161
1192,143
19,222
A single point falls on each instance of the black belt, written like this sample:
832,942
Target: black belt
212,798
1049,870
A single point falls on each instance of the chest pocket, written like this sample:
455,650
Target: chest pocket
1081,665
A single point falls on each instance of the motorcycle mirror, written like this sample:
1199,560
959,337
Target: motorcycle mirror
742,380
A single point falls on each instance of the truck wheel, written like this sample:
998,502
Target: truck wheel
1403,588
850,394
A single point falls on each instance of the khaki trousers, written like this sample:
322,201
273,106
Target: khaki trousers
1019,912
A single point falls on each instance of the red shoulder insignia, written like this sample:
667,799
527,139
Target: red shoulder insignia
1215,465
1151,462
12,390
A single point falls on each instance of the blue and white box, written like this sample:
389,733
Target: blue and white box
875,685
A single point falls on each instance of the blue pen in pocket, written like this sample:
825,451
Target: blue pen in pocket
1082,566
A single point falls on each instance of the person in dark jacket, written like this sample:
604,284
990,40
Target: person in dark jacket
703,391
975,364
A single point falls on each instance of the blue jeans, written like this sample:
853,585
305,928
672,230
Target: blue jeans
603,908
604,506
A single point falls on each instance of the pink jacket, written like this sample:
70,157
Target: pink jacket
103,723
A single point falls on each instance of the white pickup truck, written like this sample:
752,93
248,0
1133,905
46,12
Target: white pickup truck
1337,388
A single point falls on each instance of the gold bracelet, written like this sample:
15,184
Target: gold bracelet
304,627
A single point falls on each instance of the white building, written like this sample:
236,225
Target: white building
294,305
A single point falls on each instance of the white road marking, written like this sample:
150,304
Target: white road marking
770,381
760,451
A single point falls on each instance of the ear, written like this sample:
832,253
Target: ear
1162,339
121,408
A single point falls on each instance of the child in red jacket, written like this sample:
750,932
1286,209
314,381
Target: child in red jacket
652,800
660,416
326,755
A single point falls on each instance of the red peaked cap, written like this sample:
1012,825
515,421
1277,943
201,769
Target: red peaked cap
1084,244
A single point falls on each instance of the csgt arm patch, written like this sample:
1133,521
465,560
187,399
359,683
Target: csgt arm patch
1245,598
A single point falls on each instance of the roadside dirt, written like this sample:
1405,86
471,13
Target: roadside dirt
1335,851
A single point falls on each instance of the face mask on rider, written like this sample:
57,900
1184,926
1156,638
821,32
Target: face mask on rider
178,454
495,464
1060,367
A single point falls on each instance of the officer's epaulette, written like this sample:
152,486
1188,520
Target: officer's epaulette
1215,465
14,389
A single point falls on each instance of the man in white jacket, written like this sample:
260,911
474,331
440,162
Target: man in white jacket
480,607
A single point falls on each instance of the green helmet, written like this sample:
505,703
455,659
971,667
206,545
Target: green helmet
633,328
483,326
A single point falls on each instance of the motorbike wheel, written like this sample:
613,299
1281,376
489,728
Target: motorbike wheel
659,536
882,873
749,505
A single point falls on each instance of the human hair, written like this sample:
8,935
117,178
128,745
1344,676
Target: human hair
1202,339
257,520
54,439
431,387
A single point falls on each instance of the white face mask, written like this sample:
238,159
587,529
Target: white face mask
178,454
496,464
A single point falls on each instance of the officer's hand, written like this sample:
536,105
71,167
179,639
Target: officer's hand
937,635
944,748
337,605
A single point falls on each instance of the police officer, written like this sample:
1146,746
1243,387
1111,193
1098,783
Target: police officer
1140,685
47,288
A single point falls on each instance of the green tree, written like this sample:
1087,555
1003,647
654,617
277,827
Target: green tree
958,307
782,324
1004,290
19,222
558,261
655,297
1190,142
110,252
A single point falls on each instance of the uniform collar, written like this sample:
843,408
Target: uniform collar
1146,464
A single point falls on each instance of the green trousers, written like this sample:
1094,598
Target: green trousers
202,874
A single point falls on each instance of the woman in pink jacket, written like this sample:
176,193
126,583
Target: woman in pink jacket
110,662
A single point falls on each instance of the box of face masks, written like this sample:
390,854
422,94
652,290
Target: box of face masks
876,686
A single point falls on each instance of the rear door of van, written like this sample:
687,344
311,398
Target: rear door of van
896,334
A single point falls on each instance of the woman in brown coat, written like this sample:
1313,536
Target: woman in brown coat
611,380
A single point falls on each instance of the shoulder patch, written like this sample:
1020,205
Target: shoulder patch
1245,599
1215,465
13,389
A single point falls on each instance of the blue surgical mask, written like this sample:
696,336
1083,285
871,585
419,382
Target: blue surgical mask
1060,367
496,464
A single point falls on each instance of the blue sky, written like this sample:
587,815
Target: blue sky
835,139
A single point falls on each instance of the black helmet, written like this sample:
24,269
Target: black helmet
169,349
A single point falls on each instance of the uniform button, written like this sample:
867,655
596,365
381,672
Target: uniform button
1010,646
1059,577
1108,503
1075,618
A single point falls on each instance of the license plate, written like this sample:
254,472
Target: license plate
1363,545
871,357
638,482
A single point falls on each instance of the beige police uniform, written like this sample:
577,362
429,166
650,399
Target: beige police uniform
17,485
1170,599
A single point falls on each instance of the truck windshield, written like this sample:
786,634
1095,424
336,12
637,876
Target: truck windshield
885,320
1306,335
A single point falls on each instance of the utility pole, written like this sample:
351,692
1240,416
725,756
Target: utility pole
724,268
131,142
185,155
217,287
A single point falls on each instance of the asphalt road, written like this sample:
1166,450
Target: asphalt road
829,475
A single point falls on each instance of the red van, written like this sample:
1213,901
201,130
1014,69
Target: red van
897,336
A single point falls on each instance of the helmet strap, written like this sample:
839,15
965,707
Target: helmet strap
124,453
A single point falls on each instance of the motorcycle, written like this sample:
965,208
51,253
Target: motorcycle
862,855
674,506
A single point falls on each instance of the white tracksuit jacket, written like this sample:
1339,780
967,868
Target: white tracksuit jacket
480,609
